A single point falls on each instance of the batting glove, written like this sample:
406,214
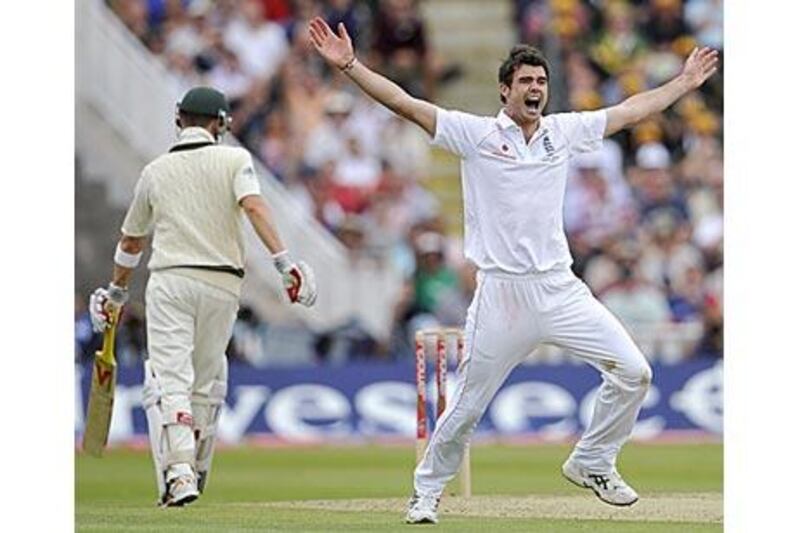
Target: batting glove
298,279
102,302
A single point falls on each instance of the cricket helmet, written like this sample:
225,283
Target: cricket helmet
207,102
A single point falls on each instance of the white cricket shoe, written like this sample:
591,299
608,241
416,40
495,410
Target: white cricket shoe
422,509
181,490
609,487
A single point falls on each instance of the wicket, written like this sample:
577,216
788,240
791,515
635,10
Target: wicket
441,336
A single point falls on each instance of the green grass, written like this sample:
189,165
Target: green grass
117,493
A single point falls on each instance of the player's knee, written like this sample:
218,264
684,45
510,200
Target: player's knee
638,375
647,375
641,375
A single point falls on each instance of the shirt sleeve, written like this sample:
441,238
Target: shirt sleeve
245,181
139,218
583,131
456,131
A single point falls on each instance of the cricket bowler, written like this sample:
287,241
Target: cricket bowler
192,200
513,172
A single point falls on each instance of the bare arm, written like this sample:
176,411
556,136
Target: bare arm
261,218
700,65
338,50
131,245
298,278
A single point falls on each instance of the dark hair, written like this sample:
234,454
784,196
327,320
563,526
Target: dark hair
521,54
191,119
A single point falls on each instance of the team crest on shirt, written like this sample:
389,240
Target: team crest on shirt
496,145
548,146
549,149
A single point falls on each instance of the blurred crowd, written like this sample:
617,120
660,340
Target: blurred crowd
643,214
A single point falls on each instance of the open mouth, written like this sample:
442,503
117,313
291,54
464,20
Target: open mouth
532,103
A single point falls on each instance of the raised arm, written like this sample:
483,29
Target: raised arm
338,51
699,66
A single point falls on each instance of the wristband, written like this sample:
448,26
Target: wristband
282,261
349,65
124,259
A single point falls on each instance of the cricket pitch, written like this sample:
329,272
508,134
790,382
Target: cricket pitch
703,507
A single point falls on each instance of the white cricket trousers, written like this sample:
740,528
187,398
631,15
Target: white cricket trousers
189,324
510,315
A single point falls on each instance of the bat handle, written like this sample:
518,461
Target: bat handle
109,336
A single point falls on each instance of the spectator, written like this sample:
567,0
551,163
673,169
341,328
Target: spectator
279,11
619,41
405,147
304,99
594,212
639,304
668,251
665,21
713,282
324,143
401,49
583,82
662,65
711,344
183,34
653,183
392,205
434,281
260,43
705,19
601,271
355,16
134,14
160,10
227,75
276,144
325,208
687,295
351,232
356,169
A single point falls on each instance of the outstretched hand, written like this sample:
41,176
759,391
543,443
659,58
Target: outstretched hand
337,50
700,65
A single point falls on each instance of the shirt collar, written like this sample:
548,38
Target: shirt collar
194,134
504,121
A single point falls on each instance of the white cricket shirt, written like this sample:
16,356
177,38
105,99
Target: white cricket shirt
513,190
189,200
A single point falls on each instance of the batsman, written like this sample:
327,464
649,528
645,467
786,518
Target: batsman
514,171
193,200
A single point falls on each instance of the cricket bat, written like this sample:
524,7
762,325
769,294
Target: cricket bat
101,394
